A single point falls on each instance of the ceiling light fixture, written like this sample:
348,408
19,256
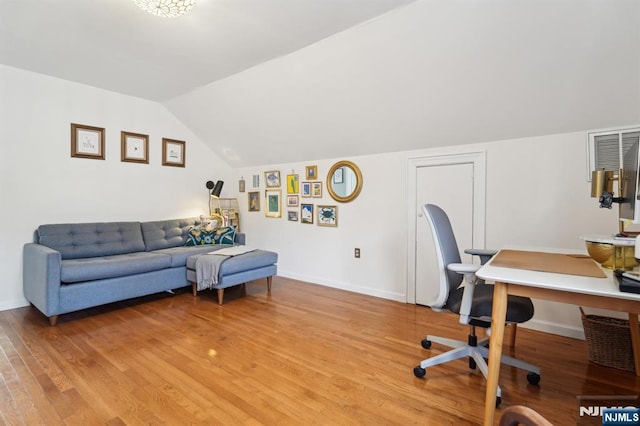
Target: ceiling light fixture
166,8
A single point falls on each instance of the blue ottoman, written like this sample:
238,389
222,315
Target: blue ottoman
238,269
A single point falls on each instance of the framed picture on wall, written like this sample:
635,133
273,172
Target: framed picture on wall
292,201
273,204
327,215
316,189
293,184
306,213
311,172
305,191
87,141
272,178
134,147
254,201
173,152
292,215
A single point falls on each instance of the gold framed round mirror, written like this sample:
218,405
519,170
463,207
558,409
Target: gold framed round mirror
344,181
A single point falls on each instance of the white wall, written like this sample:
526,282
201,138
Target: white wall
537,195
537,192
40,182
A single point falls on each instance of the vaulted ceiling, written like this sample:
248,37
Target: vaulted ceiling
270,81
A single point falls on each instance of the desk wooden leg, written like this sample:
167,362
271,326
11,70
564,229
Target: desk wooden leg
635,340
498,317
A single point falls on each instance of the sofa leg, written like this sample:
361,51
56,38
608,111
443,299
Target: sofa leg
220,295
53,320
244,289
194,289
269,284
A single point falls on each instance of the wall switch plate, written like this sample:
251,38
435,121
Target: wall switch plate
356,253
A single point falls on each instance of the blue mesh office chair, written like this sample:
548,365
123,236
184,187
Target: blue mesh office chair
459,291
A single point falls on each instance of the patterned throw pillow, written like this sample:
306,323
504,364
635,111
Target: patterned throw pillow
225,235
199,236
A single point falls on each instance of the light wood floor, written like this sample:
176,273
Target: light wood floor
307,354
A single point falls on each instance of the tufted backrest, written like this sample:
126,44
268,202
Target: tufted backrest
79,240
167,233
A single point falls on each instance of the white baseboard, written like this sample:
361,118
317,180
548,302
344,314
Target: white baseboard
538,325
552,328
12,304
398,297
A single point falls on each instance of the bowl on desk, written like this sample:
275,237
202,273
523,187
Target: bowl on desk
605,254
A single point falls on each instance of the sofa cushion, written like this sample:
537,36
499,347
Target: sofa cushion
83,240
180,254
95,268
166,233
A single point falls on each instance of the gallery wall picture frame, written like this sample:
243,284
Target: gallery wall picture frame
241,185
87,141
306,213
292,200
173,152
292,215
254,201
134,147
256,181
293,184
272,178
311,172
305,190
273,203
316,189
327,215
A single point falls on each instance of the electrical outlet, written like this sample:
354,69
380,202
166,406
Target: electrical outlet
356,253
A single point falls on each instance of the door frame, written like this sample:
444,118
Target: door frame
479,161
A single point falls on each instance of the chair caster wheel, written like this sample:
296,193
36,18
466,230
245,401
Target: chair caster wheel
426,343
533,378
419,372
472,363
498,401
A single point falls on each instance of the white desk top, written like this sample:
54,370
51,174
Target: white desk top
607,287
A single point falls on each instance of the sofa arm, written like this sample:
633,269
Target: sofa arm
41,277
240,238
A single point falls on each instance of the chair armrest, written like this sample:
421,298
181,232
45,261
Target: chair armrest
469,282
463,268
483,254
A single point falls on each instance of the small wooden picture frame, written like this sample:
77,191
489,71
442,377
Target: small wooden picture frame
134,147
292,215
316,189
87,141
292,201
306,213
173,152
311,172
305,190
272,178
327,215
254,201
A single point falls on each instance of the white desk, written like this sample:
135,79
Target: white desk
584,291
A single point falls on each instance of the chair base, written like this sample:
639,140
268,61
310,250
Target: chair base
476,352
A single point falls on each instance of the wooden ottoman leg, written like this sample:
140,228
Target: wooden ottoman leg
269,284
220,295
194,289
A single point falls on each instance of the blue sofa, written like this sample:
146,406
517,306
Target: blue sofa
70,267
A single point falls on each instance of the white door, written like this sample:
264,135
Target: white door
455,183
455,197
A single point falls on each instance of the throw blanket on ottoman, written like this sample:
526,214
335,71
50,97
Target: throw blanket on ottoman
208,265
